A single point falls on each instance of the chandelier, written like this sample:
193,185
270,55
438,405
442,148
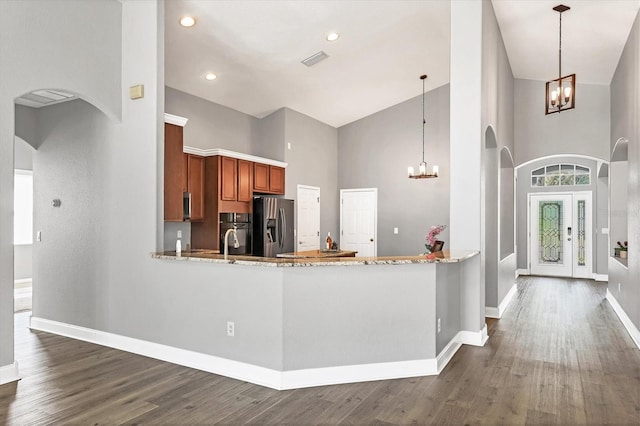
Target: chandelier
423,165
560,93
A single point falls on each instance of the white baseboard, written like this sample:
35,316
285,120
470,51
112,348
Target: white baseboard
212,364
502,307
601,277
305,378
280,380
9,373
448,352
624,318
474,338
522,272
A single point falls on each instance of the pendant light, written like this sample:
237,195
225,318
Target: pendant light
560,93
423,165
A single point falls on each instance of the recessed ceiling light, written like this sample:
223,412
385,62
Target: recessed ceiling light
333,36
210,76
187,21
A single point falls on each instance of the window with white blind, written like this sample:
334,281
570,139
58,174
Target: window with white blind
23,207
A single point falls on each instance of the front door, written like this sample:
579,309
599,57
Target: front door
560,234
358,221
308,232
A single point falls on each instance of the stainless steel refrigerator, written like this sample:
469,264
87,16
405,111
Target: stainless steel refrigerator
272,226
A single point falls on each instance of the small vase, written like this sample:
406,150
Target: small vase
616,252
623,254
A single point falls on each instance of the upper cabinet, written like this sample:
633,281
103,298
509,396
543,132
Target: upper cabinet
173,173
195,185
183,175
268,179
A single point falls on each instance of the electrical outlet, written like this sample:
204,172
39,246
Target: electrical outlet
618,287
231,328
395,231
288,145
39,236
439,326
179,233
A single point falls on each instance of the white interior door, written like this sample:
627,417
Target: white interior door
560,234
359,221
308,222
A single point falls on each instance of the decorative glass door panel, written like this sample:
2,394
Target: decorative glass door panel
550,218
560,234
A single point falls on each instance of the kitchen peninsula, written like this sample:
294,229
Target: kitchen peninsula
310,322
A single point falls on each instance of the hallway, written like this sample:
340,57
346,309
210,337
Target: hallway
558,356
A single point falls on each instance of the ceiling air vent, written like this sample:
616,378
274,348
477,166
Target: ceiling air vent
315,58
40,98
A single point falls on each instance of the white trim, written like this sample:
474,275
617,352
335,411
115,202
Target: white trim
212,364
626,321
546,157
522,272
23,280
474,338
600,277
239,155
268,377
295,379
448,352
502,307
9,373
175,119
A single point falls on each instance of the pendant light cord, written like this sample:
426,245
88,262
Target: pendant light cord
423,119
560,56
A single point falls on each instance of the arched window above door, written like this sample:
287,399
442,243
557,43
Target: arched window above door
561,175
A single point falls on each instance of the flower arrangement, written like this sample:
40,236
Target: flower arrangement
432,236
623,246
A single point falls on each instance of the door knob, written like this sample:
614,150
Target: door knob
299,242
371,239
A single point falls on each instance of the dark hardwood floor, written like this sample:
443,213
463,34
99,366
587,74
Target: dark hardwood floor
558,356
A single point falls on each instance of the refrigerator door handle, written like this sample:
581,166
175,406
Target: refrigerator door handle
284,227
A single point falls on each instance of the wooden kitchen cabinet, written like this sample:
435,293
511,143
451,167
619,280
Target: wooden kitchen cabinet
260,177
276,180
245,180
228,179
195,185
268,179
173,173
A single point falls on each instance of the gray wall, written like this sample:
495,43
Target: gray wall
212,125
312,160
625,101
599,211
374,152
497,122
583,130
22,261
371,321
69,165
23,154
56,59
447,303
507,205
270,142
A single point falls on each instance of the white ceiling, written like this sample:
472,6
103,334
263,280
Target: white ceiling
593,36
255,48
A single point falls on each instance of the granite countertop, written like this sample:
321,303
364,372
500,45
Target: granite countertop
316,254
445,256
